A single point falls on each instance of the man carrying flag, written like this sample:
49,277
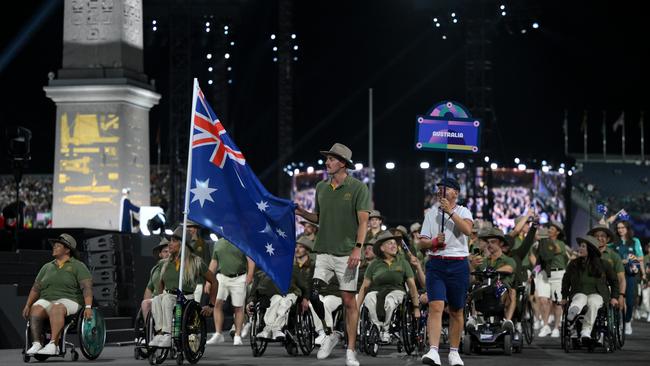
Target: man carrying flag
224,195
342,209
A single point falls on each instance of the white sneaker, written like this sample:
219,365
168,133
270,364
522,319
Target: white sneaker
555,333
264,334
155,341
245,330
321,337
585,334
237,341
454,359
351,358
545,331
50,349
518,327
385,337
36,346
537,325
327,346
165,341
628,328
215,339
278,335
431,358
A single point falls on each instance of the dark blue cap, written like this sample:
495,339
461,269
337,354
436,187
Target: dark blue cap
449,182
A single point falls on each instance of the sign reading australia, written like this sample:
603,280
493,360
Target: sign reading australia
448,126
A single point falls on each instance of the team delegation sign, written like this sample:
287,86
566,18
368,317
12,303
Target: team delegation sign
448,127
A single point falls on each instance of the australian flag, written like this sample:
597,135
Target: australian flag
227,198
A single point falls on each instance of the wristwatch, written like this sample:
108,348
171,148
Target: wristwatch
358,245
89,306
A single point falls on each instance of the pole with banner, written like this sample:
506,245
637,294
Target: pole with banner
448,127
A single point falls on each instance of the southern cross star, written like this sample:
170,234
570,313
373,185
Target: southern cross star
281,233
202,191
269,249
262,205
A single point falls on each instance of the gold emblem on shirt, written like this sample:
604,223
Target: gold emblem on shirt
347,196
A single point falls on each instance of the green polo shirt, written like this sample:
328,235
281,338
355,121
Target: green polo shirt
588,285
337,215
231,260
384,276
611,256
498,263
154,279
170,276
553,254
302,277
63,282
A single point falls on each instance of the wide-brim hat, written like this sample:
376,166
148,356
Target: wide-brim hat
375,213
305,242
341,151
178,234
590,240
542,232
158,248
557,225
307,222
402,230
380,239
416,227
493,232
603,228
191,223
68,241
449,182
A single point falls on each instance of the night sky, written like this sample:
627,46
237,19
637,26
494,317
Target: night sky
586,55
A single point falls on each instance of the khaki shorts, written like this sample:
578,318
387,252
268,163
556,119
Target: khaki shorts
550,288
235,287
72,307
328,266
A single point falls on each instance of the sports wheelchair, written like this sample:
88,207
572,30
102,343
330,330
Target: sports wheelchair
488,334
298,333
187,344
603,334
403,328
91,336
524,313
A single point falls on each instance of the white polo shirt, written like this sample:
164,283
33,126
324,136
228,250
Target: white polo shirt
456,242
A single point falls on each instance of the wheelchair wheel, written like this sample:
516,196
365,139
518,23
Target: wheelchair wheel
92,334
305,331
507,345
40,358
193,333
423,341
372,345
141,336
364,329
466,346
619,326
258,346
408,328
527,320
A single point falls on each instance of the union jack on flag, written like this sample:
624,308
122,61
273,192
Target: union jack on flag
227,198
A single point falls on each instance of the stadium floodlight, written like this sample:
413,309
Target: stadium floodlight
535,25
207,24
521,167
225,27
275,48
444,36
460,165
295,48
424,165
310,169
210,69
517,161
208,56
390,165
561,170
570,173
546,169
494,166
502,7
296,171
486,159
210,82
544,162
272,36
154,28
453,15
226,56
154,22
358,166
293,36
320,161
207,30
503,13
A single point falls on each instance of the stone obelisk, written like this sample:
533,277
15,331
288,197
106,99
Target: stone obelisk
103,100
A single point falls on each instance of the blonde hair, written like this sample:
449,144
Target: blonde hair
192,265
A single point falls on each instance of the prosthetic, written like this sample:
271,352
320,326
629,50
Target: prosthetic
314,298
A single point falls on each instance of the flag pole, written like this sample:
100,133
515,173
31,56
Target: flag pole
623,137
584,134
188,181
642,137
565,128
604,131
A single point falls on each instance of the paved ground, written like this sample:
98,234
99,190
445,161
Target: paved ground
541,352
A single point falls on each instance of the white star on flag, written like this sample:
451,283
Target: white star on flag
202,191
281,233
269,249
262,205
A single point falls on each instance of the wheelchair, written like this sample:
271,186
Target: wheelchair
188,343
490,333
144,333
299,332
403,328
91,336
524,313
603,333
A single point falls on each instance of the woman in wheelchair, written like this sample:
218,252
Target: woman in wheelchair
62,287
162,306
160,252
499,262
387,275
585,284
277,313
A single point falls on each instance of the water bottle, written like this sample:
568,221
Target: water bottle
177,320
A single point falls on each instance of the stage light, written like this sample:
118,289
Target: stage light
486,159
561,170
437,25
290,173
535,25
229,81
154,22
521,166
214,237
295,48
296,171
275,48
295,58
543,162
210,69
453,15
226,56
502,7
517,160
562,165
154,28
444,36
293,36
569,173
207,24
424,165
383,227
225,32
225,27
210,82
208,56
272,36
275,59
455,20
546,169
358,166
320,161
207,30
229,68
494,166
450,160
435,20
232,43
460,165
390,165
523,31
310,169
503,13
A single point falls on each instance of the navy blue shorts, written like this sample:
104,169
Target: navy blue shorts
448,281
